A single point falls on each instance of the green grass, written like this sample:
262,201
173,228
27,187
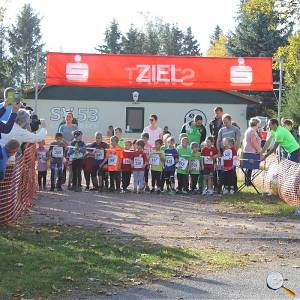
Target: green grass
249,201
57,260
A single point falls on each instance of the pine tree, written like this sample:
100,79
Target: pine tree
172,40
25,42
216,35
112,40
218,48
259,32
133,41
152,41
190,44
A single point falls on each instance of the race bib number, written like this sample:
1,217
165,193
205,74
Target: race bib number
126,161
42,156
170,161
99,154
138,162
195,165
235,161
227,154
112,160
57,152
208,160
182,163
154,160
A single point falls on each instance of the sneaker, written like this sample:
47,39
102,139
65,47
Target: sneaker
87,189
59,189
204,193
185,192
152,191
158,191
225,191
94,189
122,192
147,189
111,190
231,191
210,192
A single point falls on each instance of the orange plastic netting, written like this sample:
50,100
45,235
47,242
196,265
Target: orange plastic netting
18,187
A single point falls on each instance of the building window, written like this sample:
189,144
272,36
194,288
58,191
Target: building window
135,119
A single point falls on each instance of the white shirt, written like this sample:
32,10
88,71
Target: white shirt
23,135
154,134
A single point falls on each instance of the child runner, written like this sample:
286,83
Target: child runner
147,150
42,156
140,161
184,155
195,164
56,152
171,158
76,153
229,158
209,154
156,162
163,148
126,166
118,134
88,164
113,158
99,175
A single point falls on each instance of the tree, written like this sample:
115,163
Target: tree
260,30
153,32
291,57
216,35
218,48
172,40
112,40
25,42
190,44
291,104
133,41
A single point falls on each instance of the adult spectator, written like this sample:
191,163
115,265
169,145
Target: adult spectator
282,138
289,125
68,128
110,131
21,130
154,131
251,143
6,127
195,130
166,130
216,124
228,131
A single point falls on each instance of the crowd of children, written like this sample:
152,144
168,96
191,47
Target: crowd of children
110,167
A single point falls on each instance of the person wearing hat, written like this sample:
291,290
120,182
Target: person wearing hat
76,153
195,130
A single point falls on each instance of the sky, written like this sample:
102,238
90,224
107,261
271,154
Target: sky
78,26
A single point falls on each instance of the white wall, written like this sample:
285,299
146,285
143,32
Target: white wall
98,115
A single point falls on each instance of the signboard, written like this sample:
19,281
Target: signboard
148,71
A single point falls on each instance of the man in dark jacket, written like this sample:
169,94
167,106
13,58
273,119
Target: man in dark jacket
216,124
195,130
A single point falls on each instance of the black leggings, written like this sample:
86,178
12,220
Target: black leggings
183,182
229,178
126,176
170,179
156,179
146,174
115,180
194,181
42,175
76,169
102,175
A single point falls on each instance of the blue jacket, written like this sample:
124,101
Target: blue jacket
3,160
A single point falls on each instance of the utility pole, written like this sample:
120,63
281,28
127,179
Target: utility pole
36,82
280,89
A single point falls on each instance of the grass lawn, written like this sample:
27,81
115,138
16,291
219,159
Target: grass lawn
249,201
61,260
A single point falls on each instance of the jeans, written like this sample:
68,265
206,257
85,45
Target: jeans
59,167
294,156
138,179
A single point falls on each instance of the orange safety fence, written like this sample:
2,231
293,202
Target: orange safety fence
18,187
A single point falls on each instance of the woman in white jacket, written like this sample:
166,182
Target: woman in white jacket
20,130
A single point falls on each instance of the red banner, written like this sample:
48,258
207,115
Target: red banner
146,71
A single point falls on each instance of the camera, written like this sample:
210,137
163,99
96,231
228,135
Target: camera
35,123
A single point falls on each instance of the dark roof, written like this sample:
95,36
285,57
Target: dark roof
145,95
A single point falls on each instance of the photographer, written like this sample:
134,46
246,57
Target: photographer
21,130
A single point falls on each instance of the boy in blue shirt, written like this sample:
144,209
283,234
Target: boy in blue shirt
171,158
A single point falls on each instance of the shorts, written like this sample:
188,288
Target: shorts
208,172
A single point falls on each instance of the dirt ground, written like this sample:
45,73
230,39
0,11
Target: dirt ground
190,221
